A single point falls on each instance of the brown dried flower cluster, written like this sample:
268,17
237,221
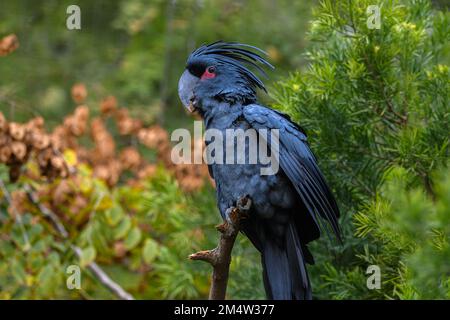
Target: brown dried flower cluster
19,142
18,204
190,176
126,125
67,200
8,44
79,93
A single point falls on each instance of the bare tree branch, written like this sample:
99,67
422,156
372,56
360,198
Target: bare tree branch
53,218
220,257
105,279
17,216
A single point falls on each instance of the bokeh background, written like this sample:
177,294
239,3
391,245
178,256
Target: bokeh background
137,49
374,103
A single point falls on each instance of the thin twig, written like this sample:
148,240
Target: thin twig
98,272
104,278
53,218
220,257
17,215
403,119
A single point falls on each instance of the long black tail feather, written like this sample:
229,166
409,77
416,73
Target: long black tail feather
284,269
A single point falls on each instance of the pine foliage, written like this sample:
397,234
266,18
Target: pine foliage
375,105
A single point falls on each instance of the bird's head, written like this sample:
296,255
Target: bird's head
221,71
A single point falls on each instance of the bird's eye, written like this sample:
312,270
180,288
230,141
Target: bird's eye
209,73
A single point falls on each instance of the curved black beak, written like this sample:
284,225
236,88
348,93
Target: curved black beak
186,87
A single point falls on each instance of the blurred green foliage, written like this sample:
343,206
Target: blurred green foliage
375,103
412,229
141,237
134,49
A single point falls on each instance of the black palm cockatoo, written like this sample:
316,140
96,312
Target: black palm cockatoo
289,206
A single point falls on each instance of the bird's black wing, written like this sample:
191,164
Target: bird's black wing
298,163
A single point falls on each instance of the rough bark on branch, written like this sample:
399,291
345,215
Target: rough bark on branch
220,257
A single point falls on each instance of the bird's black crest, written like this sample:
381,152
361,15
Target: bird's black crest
237,56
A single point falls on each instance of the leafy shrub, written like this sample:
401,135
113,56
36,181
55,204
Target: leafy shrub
373,100
107,206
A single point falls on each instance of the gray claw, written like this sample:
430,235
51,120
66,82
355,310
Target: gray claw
228,215
244,203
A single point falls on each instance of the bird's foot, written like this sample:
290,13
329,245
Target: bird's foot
244,203
228,214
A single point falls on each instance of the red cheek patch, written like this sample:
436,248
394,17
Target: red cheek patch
207,75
